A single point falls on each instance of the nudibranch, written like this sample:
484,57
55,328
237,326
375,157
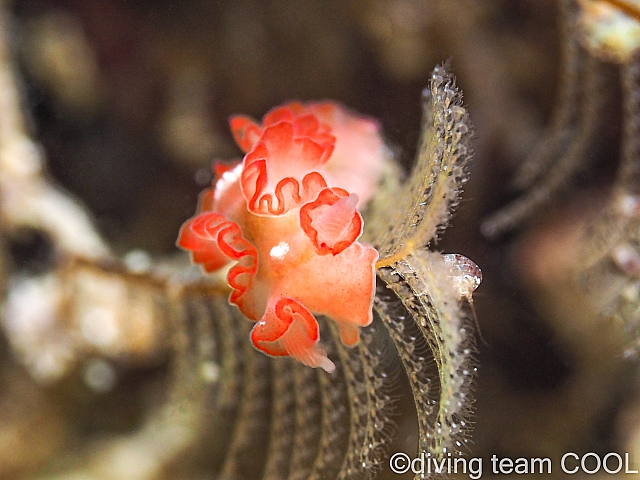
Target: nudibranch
287,215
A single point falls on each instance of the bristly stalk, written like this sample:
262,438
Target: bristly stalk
573,134
424,205
369,404
282,421
431,312
245,452
335,416
420,282
609,262
307,420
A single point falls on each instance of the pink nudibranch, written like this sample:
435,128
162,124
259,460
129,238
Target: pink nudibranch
288,216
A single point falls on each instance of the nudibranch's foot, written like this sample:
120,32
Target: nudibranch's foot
288,328
349,334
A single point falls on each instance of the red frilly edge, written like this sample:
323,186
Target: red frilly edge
213,242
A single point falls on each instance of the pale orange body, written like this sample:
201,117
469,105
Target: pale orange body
287,214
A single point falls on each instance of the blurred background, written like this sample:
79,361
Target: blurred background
130,100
